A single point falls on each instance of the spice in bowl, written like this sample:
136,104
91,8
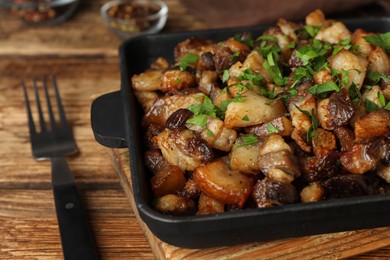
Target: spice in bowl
129,18
41,11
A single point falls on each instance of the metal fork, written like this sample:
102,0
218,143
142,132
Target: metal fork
54,141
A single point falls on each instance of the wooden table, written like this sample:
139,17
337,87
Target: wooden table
83,54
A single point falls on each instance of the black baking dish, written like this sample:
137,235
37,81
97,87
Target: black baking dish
116,119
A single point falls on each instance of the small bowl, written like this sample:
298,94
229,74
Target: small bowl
129,18
42,12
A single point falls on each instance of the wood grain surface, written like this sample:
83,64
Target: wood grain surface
83,54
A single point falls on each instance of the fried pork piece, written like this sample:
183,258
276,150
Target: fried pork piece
207,81
175,205
333,32
146,98
183,148
303,102
362,158
379,61
277,161
324,142
218,181
349,185
229,52
384,172
282,125
337,110
196,46
372,94
340,108
167,179
284,33
244,158
330,30
218,96
147,81
385,88
268,193
300,121
312,193
358,40
254,61
216,134
191,189
160,64
253,110
315,18
173,80
320,168
354,64
209,205
324,116
165,106
345,136
373,125
322,76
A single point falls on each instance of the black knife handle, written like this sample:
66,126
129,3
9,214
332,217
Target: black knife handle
76,238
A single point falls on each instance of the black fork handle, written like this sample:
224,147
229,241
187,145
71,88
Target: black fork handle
76,238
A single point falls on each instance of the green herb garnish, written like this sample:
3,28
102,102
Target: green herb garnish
245,118
271,128
247,140
312,30
381,40
371,106
188,59
375,77
320,90
311,132
247,74
206,107
225,76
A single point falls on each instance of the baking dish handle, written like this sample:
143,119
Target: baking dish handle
107,120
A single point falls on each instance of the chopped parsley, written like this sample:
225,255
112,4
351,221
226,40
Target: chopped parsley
248,139
314,54
311,132
343,44
370,105
245,118
382,101
321,90
200,120
225,76
202,112
354,93
247,74
271,128
381,40
374,77
270,50
188,59
312,30
206,107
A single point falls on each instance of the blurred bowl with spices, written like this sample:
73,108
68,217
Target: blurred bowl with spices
129,18
41,12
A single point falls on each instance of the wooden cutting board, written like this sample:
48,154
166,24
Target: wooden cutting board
327,246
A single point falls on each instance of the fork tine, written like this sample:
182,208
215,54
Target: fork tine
49,107
61,111
31,124
40,113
